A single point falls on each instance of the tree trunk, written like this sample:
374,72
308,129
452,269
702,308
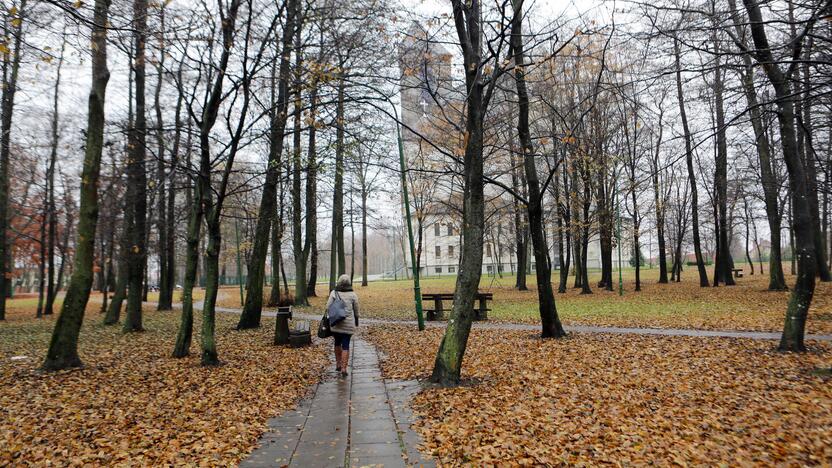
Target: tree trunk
636,227
585,288
185,333
748,236
114,310
212,255
64,247
166,292
274,294
777,280
352,238
448,364
563,228
47,241
42,252
165,300
337,259
697,244
605,228
253,307
587,204
723,262
109,269
577,241
364,237
276,241
312,194
104,287
137,177
826,194
793,258
757,246
280,226
6,110
549,320
51,211
300,247
805,125
520,227
63,347
145,271
801,295
201,204
659,202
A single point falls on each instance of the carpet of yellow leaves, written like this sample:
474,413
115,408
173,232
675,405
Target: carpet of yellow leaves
746,306
24,306
132,404
628,400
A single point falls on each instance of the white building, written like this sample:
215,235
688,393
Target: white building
429,100
442,243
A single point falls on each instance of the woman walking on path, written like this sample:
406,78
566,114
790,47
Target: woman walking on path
343,330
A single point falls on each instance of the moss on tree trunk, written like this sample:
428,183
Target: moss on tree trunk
63,347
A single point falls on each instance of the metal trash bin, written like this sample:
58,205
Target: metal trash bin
281,330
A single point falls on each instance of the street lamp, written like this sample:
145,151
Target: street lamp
417,290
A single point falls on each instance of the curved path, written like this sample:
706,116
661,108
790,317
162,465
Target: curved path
753,335
365,419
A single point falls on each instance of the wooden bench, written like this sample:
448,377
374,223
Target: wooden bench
439,299
299,334
296,336
737,272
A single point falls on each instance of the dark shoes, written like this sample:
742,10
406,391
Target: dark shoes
344,373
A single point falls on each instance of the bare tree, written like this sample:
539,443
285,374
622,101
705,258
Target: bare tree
63,347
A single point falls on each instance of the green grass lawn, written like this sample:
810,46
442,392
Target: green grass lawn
746,306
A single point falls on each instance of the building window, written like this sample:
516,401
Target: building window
500,268
451,269
450,230
490,269
451,251
533,266
438,252
438,270
436,229
487,250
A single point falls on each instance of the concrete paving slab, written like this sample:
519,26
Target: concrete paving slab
345,420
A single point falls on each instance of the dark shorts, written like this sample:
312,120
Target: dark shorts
342,340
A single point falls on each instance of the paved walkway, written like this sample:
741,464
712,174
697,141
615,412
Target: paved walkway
364,420
361,420
569,328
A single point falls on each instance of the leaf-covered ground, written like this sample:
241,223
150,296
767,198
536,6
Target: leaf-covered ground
24,306
628,400
746,306
132,404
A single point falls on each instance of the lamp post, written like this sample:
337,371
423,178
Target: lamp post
417,290
239,262
618,237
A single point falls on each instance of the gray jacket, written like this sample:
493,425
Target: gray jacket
350,299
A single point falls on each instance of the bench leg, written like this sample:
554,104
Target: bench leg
482,312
